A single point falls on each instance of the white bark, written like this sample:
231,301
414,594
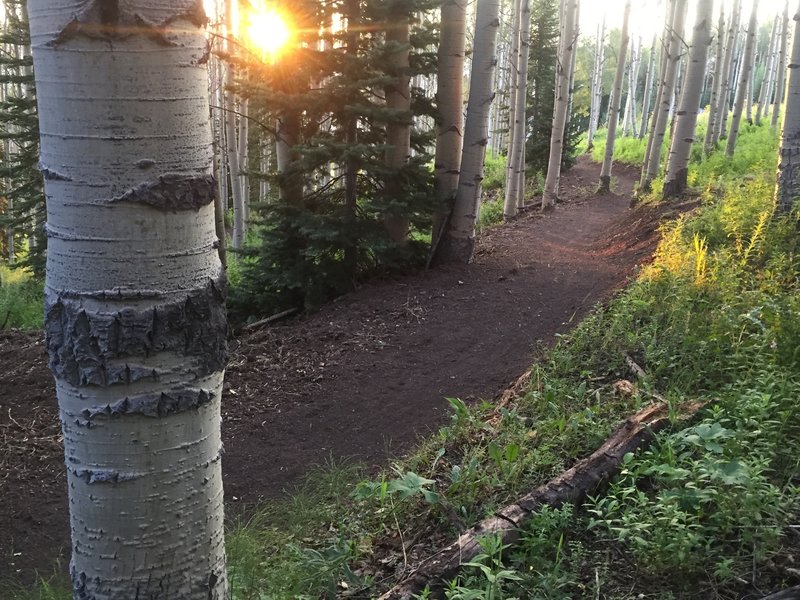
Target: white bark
568,46
648,90
512,60
716,87
614,103
516,157
770,65
686,122
747,65
662,111
669,15
597,81
450,102
788,187
721,122
780,85
459,242
135,318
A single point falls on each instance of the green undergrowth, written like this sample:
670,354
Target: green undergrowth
21,303
705,512
708,511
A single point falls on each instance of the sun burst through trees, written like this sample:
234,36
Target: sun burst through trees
267,32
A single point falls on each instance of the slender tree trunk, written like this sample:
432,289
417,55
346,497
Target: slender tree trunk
398,131
686,122
748,103
769,67
669,15
135,317
788,187
290,182
779,90
459,242
597,82
716,87
614,103
567,45
516,157
648,90
232,139
244,180
513,86
728,62
450,102
747,65
650,170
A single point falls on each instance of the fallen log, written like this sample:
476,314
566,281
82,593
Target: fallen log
792,593
572,486
276,317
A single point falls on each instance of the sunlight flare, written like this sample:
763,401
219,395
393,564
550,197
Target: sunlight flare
267,31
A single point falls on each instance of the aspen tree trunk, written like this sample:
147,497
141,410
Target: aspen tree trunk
514,81
779,90
648,90
568,42
748,103
244,179
135,317
232,140
516,157
716,87
290,184
747,65
614,103
458,243
450,117
597,82
573,61
788,184
721,121
686,122
769,67
669,15
650,170
398,100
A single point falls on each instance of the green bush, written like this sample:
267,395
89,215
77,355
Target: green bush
21,300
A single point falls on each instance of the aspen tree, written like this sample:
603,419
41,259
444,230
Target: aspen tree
669,15
449,100
567,47
662,111
716,88
728,70
770,65
686,120
458,243
781,83
747,65
648,90
516,158
597,82
134,293
788,184
615,102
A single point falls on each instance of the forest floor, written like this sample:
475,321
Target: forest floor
360,379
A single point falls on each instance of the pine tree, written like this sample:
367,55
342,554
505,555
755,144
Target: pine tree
23,214
337,183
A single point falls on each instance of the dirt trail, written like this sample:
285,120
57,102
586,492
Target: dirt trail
363,377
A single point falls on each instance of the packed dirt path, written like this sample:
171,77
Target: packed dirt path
363,377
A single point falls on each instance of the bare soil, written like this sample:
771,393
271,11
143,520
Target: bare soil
362,378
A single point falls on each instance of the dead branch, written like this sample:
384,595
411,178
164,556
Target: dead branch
572,486
268,320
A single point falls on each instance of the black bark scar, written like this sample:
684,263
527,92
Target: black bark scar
173,192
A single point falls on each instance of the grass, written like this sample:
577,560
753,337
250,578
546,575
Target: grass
705,512
21,300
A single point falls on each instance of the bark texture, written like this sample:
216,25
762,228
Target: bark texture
515,188
450,101
747,65
686,118
568,46
615,103
788,188
716,86
662,110
781,82
135,316
458,243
